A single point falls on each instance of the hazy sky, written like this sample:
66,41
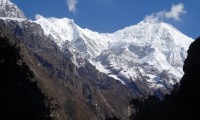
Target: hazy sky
112,15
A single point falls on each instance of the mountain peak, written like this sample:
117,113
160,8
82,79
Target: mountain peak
59,29
10,10
38,16
151,51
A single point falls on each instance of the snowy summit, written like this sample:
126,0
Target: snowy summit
151,51
10,10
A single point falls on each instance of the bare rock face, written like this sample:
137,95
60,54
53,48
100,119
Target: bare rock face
10,10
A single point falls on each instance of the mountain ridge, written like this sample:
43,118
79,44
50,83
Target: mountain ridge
153,43
82,71
148,43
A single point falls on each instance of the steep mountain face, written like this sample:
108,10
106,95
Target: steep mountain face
88,75
10,10
65,32
74,92
149,54
22,99
183,102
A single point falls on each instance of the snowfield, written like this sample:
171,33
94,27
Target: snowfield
151,51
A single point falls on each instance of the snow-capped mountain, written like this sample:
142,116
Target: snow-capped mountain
62,30
151,51
10,10
75,64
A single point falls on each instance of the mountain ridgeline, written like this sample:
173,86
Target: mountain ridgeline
77,73
147,57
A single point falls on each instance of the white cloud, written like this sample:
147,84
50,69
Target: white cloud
175,14
154,17
176,11
72,5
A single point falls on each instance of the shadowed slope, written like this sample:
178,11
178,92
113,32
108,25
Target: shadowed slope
21,99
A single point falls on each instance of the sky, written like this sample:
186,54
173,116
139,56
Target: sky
108,16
